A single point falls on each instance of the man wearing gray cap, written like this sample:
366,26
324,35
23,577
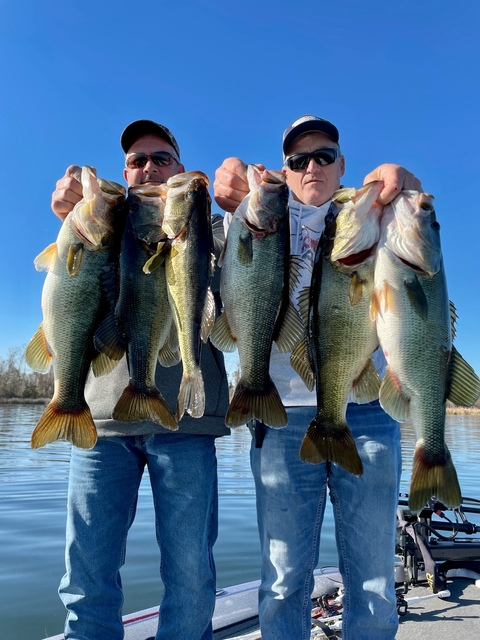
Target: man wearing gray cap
104,481
291,494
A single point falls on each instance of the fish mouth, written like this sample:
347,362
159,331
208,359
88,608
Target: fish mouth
357,258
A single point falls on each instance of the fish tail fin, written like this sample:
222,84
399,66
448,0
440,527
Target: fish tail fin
247,404
56,424
140,405
335,444
191,396
428,480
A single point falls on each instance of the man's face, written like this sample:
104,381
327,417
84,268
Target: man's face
151,173
315,184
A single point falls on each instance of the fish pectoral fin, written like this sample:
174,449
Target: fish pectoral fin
300,363
355,292
428,480
208,317
102,364
265,405
463,384
221,335
37,354
327,443
245,249
55,424
290,331
416,296
74,258
392,399
46,259
366,386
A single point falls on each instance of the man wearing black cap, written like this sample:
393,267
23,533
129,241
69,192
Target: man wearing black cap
104,481
291,494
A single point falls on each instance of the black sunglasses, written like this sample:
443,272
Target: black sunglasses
299,161
159,158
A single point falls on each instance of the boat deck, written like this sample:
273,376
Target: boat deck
434,618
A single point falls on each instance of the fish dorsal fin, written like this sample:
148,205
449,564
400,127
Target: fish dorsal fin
221,335
392,400
463,383
453,319
46,259
37,353
300,363
303,301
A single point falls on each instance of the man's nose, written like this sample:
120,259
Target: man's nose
150,166
312,166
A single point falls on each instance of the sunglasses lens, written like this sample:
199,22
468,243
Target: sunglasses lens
161,158
299,162
322,157
136,161
325,156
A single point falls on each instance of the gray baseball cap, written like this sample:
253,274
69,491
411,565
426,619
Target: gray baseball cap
307,124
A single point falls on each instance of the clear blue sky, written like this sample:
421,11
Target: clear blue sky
400,80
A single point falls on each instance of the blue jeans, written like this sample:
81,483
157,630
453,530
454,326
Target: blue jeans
102,499
291,497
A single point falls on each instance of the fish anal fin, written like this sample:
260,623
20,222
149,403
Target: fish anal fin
291,330
208,317
221,335
366,386
392,398
300,363
102,364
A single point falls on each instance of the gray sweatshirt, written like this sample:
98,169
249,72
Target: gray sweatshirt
102,393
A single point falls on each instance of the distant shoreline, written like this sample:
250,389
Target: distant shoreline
453,411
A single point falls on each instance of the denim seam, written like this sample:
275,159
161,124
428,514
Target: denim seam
345,569
315,543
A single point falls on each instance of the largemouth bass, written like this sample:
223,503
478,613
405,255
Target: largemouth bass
73,304
189,265
341,324
142,319
415,331
255,293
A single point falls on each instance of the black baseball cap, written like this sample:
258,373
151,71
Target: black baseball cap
139,128
307,124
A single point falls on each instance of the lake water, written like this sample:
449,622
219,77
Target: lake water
33,485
